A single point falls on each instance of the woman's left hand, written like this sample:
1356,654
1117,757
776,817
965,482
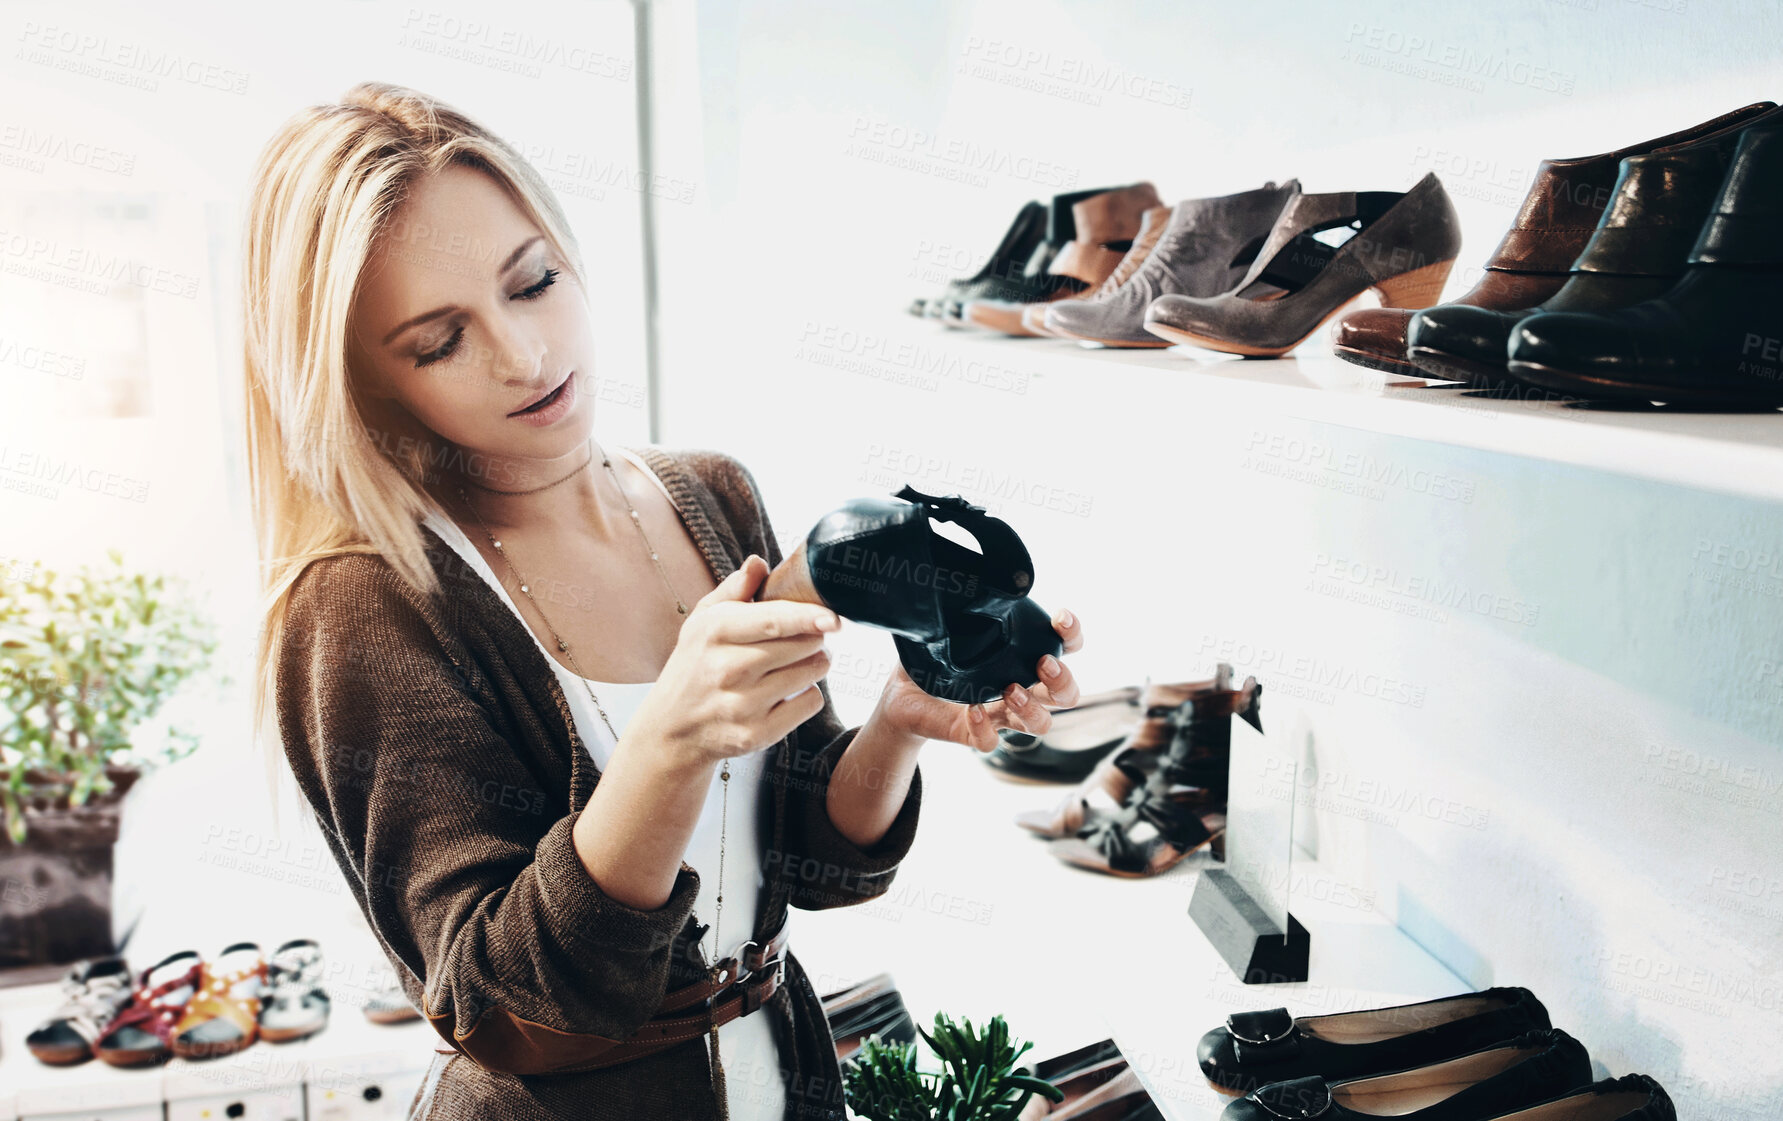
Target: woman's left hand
904,707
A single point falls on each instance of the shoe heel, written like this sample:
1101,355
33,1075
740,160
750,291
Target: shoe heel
1419,288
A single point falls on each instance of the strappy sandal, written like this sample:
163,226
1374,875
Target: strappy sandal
296,1005
142,1033
1112,779
1180,807
224,1015
962,621
94,993
1403,246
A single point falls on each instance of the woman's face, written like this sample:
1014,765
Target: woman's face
470,320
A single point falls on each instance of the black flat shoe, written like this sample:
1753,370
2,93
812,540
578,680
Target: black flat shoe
964,626
1255,1048
1715,339
1007,262
867,1008
1640,248
1078,739
1479,1086
1633,1097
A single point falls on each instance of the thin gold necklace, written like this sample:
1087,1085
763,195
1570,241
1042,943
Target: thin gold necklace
714,975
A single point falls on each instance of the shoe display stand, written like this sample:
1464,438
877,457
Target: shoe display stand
352,1070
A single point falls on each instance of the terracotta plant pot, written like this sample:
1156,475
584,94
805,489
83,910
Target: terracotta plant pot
55,889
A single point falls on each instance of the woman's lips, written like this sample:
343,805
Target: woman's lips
551,407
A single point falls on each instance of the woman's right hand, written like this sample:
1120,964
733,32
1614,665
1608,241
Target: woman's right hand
742,674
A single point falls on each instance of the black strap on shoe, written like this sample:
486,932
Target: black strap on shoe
1007,563
1267,1036
1295,1100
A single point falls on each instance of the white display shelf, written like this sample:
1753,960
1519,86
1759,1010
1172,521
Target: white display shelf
349,1054
1734,453
982,919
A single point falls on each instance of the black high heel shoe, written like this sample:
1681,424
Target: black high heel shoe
964,626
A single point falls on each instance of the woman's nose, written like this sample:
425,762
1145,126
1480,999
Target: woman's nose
519,355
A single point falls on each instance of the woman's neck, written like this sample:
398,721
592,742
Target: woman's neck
568,493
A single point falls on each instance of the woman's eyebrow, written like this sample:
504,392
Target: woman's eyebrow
425,316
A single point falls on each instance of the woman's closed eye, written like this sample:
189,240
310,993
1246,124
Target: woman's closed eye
537,288
446,349
443,351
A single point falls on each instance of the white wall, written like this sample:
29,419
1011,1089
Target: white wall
1582,797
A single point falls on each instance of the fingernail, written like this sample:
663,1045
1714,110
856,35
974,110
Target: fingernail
1019,696
1049,666
976,714
1065,618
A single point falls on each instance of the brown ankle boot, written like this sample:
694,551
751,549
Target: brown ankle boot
1103,229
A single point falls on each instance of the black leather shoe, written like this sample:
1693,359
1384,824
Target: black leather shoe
964,626
1715,339
1479,1086
1008,261
1640,249
1255,1048
1078,739
1633,1097
867,1008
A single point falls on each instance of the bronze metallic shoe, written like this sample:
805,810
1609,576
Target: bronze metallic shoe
1566,200
1204,250
1107,786
1093,234
1151,227
1401,244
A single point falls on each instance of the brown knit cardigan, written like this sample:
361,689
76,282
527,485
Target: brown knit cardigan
436,747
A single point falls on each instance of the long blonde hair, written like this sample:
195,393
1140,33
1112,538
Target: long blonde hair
322,481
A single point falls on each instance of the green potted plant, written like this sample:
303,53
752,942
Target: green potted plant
979,1079
86,657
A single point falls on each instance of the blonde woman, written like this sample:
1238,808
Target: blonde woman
574,774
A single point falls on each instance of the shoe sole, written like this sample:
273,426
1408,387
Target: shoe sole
202,1051
1446,366
1118,344
1381,362
290,1035
60,1057
133,1058
1226,1090
1554,379
1215,843
1206,342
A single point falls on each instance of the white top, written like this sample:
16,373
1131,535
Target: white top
751,1058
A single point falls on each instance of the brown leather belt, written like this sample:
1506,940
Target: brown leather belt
740,986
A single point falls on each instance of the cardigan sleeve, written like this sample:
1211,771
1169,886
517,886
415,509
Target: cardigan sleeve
448,838
822,868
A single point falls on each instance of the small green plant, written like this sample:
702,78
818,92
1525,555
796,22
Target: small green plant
979,1080
85,657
